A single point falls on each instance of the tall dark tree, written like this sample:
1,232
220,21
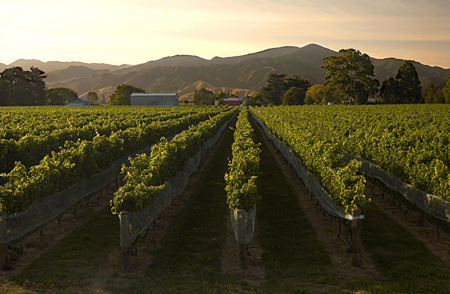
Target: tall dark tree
390,91
298,83
38,72
19,87
38,86
352,74
122,94
404,88
60,96
278,84
409,84
294,96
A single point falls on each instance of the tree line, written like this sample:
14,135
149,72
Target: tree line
350,79
19,87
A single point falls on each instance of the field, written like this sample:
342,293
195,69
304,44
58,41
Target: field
298,247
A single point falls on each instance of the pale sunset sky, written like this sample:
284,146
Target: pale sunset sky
136,31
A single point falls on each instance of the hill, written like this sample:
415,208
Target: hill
388,67
71,73
244,74
58,65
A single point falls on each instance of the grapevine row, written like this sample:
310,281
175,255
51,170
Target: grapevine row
243,169
147,174
410,141
17,122
31,148
318,155
82,159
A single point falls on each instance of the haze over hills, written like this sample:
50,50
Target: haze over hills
244,75
72,72
50,66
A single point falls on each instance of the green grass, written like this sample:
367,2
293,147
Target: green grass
295,260
75,259
405,263
402,205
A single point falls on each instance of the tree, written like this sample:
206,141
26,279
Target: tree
314,95
204,97
19,87
257,99
446,91
221,94
103,101
432,94
275,88
294,96
278,84
297,82
352,74
60,96
390,91
92,96
428,93
37,85
410,90
405,87
122,94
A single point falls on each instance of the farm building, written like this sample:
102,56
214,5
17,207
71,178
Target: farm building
233,100
79,102
154,99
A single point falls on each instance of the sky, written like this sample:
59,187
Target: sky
137,31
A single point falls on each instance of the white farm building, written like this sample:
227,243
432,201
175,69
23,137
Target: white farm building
154,99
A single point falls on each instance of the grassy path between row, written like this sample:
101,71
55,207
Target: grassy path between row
295,260
405,263
74,261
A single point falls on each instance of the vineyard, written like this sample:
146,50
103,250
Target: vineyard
77,151
144,161
410,141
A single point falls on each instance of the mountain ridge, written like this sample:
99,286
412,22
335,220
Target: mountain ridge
49,66
245,73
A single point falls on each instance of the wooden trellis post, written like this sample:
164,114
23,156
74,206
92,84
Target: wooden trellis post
125,239
356,237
